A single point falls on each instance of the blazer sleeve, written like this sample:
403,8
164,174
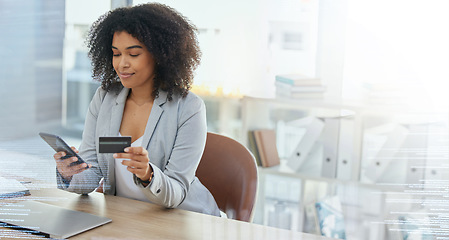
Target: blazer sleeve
88,180
170,186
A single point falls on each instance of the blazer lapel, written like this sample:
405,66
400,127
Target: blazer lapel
155,115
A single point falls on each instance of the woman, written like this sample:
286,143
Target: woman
144,57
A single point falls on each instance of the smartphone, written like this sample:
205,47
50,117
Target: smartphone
59,145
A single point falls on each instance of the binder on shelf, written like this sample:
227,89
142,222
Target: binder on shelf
395,135
345,148
416,143
314,127
266,145
329,138
436,169
287,138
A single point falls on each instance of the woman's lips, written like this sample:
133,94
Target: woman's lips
126,75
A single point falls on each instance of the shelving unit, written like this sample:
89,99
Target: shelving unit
259,113
371,209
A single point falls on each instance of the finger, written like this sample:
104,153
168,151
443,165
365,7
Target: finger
129,164
57,156
137,168
71,160
78,167
134,164
78,170
122,155
67,163
131,156
74,149
132,170
136,150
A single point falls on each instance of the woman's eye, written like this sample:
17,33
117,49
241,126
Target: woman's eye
116,55
134,55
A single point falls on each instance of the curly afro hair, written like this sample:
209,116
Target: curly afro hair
169,36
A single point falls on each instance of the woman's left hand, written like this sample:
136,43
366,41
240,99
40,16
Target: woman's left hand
137,162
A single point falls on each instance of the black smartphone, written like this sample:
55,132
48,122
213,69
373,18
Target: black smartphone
59,145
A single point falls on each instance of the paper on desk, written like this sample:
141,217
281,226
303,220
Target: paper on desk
12,188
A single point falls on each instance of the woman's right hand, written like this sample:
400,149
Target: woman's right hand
64,168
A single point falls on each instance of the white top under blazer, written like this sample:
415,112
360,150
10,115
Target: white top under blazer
124,184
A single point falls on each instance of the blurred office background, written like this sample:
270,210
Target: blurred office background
383,64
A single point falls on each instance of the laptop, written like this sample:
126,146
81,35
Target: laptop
48,220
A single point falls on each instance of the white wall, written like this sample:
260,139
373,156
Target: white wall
402,45
234,39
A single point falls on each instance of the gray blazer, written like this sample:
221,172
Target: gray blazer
175,137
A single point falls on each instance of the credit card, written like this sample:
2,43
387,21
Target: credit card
114,144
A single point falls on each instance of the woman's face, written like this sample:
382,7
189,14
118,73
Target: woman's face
134,65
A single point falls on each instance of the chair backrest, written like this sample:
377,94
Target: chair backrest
229,171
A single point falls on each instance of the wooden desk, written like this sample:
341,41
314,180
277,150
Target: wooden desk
133,219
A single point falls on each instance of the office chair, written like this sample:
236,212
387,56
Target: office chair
229,171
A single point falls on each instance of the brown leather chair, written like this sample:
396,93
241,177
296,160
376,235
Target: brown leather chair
229,171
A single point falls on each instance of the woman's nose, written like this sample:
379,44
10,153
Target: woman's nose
124,63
